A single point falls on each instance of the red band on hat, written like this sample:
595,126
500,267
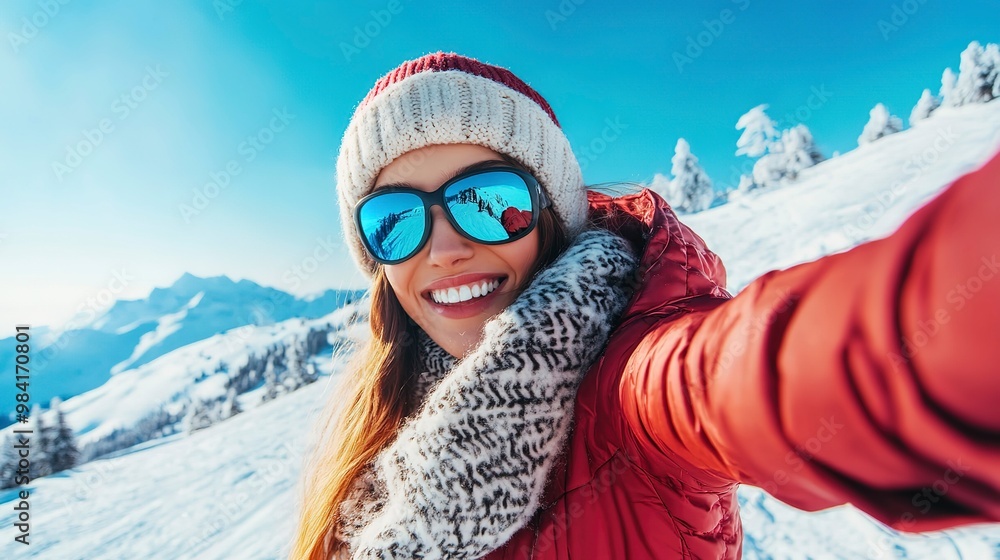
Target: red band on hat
441,61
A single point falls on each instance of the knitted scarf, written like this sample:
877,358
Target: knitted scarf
467,470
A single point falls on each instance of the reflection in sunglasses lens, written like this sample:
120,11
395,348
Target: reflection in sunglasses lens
491,207
393,224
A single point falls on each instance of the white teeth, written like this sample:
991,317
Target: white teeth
464,293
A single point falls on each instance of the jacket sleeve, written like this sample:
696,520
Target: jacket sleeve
869,377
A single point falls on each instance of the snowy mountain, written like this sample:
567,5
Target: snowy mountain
230,490
152,400
132,333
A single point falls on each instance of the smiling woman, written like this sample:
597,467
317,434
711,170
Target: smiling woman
556,373
450,263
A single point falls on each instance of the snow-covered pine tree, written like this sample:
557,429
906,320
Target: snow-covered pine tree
799,151
230,406
299,351
924,107
977,74
769,169
63,451
947,92
280,356
158,422
8,462
880,123
995,54
207,410
271,391
201,414
690,190
759,132
308,349
300,372
294,375
273,373
317,339
119,438
41,435
782,156
248,375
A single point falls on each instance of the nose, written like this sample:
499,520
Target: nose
447,248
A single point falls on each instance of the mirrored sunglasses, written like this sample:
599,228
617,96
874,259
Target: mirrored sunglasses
492,206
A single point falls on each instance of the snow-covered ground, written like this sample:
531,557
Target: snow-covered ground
861,195
230,491
225,492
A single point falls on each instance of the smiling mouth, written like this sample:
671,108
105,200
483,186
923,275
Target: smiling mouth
465,292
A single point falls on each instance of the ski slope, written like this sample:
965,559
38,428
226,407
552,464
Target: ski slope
861,195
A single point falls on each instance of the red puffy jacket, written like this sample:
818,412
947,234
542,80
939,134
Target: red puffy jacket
868,377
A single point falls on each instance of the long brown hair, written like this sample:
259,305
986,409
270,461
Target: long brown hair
371,403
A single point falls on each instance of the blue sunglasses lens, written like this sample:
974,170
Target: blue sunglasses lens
490,207
393,225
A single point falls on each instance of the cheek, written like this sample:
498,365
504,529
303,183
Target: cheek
521,255
400,277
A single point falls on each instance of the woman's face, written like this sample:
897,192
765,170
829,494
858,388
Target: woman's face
449,260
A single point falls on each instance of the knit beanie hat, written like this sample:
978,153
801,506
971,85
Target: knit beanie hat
445,98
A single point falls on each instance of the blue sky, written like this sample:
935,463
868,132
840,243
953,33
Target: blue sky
118,116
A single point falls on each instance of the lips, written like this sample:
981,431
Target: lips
463,296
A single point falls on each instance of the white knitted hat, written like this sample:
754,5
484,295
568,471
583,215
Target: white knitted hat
445,98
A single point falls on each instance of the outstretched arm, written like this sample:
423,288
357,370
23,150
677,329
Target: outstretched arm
870,376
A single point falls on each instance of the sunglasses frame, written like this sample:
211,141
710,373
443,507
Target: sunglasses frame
539,201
